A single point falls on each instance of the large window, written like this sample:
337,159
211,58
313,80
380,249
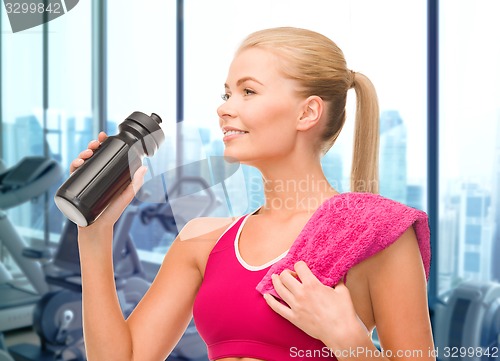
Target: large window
45,80
22,105
45,104
140,68
48,86
469,213
141,76
69,121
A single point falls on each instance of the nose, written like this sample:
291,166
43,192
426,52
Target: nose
225,110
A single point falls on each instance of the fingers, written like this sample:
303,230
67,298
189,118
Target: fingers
304,272
278,307
129,192
138,179
75,164
290,288
340,285
117,206
94,144
290,285
282,289
290,281
87,153
102,137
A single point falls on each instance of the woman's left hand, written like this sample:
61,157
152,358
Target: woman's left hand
322,312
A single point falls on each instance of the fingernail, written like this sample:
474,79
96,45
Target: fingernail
80,161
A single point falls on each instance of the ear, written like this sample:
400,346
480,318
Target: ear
311,113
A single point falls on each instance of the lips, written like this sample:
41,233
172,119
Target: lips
231,130
231,133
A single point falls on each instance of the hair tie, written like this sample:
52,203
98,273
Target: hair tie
352,79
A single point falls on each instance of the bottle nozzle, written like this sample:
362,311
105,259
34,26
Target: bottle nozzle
156,118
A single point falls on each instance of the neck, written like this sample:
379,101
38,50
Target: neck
295,188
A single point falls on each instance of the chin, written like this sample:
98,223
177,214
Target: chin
251,157
232,156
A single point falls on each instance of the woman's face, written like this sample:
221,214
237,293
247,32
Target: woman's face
261,109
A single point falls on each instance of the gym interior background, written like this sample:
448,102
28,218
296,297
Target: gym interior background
434,64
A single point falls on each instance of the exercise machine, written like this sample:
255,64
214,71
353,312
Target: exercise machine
57,316
468,324
28,179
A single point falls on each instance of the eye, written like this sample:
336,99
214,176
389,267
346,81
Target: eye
225,96
247,91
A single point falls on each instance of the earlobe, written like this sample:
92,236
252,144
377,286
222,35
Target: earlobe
311,113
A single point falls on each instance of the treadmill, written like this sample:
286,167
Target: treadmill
28,179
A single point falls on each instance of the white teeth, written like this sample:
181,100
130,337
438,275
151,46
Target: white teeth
231,132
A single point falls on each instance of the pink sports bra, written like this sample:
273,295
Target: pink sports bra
233,318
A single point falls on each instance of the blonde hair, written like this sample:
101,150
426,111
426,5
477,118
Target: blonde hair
319,67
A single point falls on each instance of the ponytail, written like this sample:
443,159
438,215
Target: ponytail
364,171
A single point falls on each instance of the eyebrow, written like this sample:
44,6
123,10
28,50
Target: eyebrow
242,80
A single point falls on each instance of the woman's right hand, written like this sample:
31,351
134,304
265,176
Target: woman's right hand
87,153
111,214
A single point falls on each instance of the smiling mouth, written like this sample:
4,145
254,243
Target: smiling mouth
231,132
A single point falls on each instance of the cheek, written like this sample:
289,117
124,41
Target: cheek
275,134
274,116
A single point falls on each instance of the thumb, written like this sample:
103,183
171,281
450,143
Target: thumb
340,284
138,179
116,208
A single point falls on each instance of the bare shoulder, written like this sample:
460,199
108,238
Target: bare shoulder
204,228
403,255
167,306
198,237
384,266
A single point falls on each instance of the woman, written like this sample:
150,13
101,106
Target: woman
284,107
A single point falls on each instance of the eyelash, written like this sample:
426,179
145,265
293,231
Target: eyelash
246,91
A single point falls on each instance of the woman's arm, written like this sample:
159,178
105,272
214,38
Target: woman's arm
159,320
161,317
106,335
398,292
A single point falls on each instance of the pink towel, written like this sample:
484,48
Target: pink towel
347,229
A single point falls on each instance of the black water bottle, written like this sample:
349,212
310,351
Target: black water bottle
93,185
